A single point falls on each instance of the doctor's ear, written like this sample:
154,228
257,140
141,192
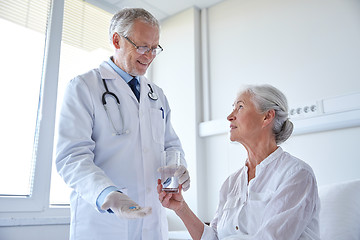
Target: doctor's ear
116,40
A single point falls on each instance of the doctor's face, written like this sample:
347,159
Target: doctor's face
245,120
126,55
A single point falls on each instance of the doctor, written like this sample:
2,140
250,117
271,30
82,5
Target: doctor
114,124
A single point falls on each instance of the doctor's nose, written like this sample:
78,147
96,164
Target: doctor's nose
149,54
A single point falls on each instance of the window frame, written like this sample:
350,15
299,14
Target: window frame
35,208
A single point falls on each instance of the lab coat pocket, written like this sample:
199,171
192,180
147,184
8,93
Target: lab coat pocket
157,124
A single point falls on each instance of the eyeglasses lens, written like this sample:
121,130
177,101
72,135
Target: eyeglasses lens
154,51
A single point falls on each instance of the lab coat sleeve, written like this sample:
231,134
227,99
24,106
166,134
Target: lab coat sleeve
74,154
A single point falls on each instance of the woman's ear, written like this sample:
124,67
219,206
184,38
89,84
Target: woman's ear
116,40
268,117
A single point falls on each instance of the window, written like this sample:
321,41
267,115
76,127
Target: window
23,27
85,44
35,72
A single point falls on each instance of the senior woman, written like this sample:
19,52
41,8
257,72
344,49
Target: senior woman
274,195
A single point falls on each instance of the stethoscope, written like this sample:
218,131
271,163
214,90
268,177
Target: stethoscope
153,96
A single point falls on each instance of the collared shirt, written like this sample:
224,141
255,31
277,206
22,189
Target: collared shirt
124,75
281,202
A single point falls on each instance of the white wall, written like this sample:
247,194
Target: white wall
310,50
307,48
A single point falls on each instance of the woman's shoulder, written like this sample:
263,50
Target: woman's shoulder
292,164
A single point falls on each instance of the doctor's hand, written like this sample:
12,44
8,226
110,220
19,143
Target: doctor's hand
123,206
173,201
180,172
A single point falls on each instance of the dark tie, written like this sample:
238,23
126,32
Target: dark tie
132,85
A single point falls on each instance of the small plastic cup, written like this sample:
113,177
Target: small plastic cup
170,162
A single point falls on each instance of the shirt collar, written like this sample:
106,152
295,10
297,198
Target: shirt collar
124,75
274,155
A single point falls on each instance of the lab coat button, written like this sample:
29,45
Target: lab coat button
237,228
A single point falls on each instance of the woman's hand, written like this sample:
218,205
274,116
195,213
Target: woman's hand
173,201
176,202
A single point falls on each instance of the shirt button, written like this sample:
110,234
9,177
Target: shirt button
236,227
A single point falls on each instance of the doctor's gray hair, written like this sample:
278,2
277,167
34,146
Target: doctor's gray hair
266,97
123,21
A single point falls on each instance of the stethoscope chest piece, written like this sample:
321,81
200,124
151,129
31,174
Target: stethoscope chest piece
151,94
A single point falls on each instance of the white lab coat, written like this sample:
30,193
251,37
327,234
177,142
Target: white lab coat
90,157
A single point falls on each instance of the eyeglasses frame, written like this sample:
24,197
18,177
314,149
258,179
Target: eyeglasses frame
149,49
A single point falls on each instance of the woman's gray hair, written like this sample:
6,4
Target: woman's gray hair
123,21
266,97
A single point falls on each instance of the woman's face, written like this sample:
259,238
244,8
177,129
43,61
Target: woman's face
246,123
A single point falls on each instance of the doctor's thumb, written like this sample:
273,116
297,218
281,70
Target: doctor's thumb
105,206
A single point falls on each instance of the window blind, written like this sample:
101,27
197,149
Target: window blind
86,26
31,14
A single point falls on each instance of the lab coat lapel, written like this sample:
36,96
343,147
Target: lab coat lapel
143,91
107,72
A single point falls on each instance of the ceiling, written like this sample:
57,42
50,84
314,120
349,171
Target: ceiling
161,9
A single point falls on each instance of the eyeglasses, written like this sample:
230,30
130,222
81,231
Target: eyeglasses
144,49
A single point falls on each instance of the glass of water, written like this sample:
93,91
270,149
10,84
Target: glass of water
170,162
